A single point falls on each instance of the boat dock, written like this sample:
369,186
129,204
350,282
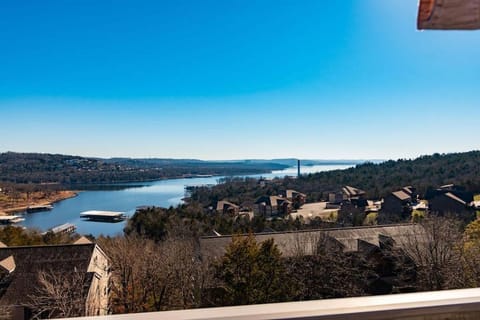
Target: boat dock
66,228
10,219
104,216
46,207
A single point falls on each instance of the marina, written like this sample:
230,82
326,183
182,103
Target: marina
161,193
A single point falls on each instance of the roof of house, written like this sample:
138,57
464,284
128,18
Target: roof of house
290,193
408,190
447,186
8,264
290,242
401,195
221,205
352,191
272,201
455,198
83,240
30,260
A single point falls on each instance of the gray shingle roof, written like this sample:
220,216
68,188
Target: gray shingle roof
455,198
30,260
353,192
402,195
290,242
221,205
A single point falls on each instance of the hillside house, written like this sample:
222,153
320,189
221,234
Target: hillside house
226,207
348,194
336,197
396,206
412,192
352,194
81,270
297,198
268,206
458,191
449,203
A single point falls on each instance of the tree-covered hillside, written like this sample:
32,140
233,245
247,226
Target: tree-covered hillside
65,169
423,173
376,179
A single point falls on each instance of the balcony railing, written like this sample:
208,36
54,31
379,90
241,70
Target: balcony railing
435,305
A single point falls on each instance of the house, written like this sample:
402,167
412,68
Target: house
336,197
412,192
226,207
352,193
297,198
456,190
396,206
348,193
268,206
449,203
81,268
352,213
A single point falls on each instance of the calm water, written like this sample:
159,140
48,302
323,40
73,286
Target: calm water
163,193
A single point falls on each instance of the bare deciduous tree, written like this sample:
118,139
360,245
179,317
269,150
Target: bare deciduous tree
153,276
59,294
321,269
436,253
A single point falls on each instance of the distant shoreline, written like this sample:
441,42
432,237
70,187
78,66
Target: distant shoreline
67,193
43,201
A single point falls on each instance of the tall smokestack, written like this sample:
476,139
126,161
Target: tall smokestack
298,168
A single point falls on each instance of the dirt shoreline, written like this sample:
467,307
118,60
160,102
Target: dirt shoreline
42,201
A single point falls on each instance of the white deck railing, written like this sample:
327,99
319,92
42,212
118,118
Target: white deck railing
448,304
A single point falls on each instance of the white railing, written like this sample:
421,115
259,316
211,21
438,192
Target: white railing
434,305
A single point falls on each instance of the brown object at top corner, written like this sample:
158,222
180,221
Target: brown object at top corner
425,10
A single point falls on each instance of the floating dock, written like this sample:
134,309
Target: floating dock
39,208
104,216
10,219
66,228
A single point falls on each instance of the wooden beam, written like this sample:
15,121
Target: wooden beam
449,14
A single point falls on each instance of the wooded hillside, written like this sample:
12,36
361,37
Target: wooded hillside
376,179
67,170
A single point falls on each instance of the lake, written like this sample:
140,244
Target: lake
162,193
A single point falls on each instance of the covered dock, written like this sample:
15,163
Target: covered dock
64,228
105,216
10,219
39,208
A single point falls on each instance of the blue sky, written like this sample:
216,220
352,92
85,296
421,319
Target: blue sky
234,79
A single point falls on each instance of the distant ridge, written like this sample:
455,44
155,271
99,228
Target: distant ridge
425,172
42,168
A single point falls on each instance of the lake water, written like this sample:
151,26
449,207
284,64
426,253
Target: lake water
162,193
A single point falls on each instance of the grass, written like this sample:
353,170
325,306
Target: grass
418,213
370,219
333,216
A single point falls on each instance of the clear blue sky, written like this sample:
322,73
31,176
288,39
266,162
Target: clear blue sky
234,79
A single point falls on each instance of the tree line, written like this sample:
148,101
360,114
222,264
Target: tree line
73,170
377,179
